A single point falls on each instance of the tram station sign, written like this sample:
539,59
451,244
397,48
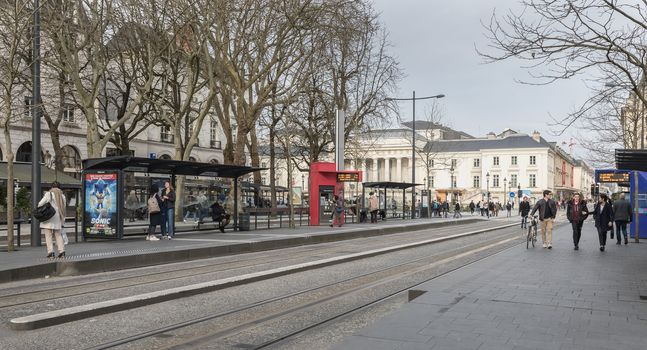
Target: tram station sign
616,177
347,177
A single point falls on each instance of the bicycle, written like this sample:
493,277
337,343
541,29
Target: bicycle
531,237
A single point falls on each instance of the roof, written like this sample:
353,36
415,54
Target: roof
475,145
450,134
631,159
163,166
22,172
389,184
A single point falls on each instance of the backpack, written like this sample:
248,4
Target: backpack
153,205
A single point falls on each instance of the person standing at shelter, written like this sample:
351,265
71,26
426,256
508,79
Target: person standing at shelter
168,196
54,226
603,214
524,209
154,205
622,214
338,211
576,213
547,211
373,204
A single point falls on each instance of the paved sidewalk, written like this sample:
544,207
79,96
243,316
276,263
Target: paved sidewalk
527,299
135,251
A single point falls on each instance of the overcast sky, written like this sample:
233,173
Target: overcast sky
434,41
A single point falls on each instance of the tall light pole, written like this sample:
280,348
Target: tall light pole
518,194
413,144
487,177
35,129
451,182
505,190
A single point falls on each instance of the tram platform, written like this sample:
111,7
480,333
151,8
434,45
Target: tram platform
134,251
526,299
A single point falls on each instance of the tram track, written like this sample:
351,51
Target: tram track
263,312
52,292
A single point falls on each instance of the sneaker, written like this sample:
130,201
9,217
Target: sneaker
576,248
601,248
148,237
153,238
545,245
550,246
169,238
618,243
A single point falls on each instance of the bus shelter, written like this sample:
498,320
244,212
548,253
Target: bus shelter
387,185
634,176
103,193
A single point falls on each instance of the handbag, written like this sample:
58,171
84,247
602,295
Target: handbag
45,211
64,236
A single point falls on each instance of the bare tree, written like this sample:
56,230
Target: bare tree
14,45
562,39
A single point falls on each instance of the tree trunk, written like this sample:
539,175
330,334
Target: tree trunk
10,188
272,167
253,154
56,143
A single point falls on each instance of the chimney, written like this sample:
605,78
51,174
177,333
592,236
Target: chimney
491,136
536,136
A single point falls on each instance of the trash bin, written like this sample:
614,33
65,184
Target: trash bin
243,222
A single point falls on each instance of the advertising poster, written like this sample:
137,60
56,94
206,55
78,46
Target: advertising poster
100,198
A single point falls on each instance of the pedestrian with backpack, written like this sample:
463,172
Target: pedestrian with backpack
154,205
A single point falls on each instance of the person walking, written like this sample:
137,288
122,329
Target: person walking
603,214
154,205
576,213
524,210
54,226
168,196
472,206
547,208
508,209
622,214
457,211
490,209
338,211
373,206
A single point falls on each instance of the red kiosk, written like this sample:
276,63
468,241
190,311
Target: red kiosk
325,183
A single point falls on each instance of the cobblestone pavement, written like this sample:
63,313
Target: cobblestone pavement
527,299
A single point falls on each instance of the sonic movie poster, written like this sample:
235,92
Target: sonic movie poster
100,216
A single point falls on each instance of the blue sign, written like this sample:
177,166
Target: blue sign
152,156
512,194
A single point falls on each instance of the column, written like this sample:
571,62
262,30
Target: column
398,170
374,177
387,169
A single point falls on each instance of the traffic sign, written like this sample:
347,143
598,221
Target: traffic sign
512,194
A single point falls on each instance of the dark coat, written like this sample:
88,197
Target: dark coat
156,219
541,207
602,219
584,210
622,210
524,208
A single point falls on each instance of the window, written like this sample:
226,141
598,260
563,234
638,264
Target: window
532,180
165,134
533,160
432,163
513,180
263,164
454,181
477,182
431,182
68,113
495,181
495,161
27,104
513,160
454,163
213,134
477,162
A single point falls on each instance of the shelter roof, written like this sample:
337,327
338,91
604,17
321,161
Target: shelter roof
165,166
389,184
22,172
631,159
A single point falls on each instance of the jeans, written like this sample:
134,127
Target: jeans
602,236
621,228
192,214
170,222
524,221
373,215
577,232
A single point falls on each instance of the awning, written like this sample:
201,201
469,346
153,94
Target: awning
388,184
165,166
631,159
22,173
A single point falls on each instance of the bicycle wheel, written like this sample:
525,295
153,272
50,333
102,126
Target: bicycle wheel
534,235
529,238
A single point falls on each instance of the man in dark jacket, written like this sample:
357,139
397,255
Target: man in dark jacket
547,208
621,215
524,209
603,214
576,213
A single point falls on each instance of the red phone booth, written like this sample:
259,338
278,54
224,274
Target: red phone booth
325,183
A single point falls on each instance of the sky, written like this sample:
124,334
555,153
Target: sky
435,43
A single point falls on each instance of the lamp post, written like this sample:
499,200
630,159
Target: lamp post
487,182
505,190
451,182
303,178
413,144
35,128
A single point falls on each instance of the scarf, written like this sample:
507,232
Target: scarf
57,195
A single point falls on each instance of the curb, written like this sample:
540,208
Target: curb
75,313
114,263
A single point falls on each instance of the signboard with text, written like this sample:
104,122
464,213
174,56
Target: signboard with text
347,177
613,177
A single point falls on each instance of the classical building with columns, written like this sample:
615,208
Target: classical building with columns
454,165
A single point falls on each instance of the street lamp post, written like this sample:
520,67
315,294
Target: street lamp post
303,178
505,190
519,195
35,128
451,182
487,182
413,144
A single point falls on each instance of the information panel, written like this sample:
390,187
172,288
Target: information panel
617,177
100,197
347,177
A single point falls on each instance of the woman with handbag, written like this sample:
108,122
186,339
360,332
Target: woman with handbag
603,214
53,226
